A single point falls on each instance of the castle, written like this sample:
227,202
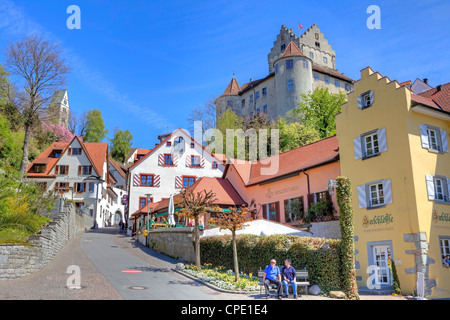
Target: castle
296,65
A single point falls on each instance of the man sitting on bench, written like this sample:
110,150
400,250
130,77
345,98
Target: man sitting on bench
289,276
272,275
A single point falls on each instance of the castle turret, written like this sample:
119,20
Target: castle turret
229,98
293,76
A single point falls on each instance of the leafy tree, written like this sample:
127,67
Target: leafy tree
121,144
10,145
95,127
318,110
37,66
295,134
193,205
232,220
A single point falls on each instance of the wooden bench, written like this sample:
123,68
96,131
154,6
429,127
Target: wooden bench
301,280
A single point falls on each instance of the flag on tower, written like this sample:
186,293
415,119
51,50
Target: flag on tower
300,26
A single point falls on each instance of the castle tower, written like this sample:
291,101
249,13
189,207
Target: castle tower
293,76
314,45
59,107
229,98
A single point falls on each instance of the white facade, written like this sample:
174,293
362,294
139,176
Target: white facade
155,174
75,178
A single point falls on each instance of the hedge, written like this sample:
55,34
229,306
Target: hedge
321,257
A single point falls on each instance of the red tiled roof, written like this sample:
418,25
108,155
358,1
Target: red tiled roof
96,152
292,50
439,95
225,194
308,156
425,101
233,88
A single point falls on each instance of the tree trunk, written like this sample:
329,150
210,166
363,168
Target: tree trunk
197,243
235,257
24,162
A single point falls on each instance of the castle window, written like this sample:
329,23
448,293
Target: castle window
251,98
283,47
337,84
311,55
258,110
347,87
264,91
230,103
276,68
265,108
305,64
290,85
257,95
327,80
316,76
317,44
325,60
289,64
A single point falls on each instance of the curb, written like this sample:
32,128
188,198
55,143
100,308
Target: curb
211,285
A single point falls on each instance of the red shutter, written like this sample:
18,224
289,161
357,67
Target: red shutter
264,210
84,187
70,151
79,170
161,159
75,187
179,182
156,181
57,170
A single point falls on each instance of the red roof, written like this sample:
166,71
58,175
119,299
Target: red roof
233,88
95,151
303,158
224,192
439,95
292,51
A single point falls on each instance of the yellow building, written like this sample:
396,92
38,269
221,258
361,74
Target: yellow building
394,147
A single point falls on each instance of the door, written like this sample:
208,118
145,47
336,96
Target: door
381,256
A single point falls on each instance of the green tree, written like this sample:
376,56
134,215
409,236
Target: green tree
95,127
318,110
120,144
295,134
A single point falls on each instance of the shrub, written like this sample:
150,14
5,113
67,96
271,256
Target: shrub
255,252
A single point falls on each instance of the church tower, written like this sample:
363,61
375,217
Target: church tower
59,107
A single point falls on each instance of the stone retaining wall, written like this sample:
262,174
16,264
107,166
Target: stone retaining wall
18,260
173,242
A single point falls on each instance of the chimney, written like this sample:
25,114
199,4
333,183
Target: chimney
425,80
439,88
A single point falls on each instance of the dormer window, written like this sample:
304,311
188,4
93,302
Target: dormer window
39,168
56,153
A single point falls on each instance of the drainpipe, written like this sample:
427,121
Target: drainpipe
307,176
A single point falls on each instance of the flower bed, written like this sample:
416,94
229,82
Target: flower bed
224,279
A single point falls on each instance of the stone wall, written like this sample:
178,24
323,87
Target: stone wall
173,242
18,260
326,229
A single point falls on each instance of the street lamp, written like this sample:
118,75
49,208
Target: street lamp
331,185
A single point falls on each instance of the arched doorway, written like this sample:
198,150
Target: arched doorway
118,217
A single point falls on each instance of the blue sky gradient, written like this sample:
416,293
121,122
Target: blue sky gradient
146,64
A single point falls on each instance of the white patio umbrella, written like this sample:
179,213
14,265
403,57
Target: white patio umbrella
171,210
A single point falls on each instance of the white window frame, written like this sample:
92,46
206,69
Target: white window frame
379,198
445,248
434,139
438,192
375,148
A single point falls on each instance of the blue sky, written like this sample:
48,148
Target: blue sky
146,64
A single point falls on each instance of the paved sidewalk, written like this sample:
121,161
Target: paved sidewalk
50,282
